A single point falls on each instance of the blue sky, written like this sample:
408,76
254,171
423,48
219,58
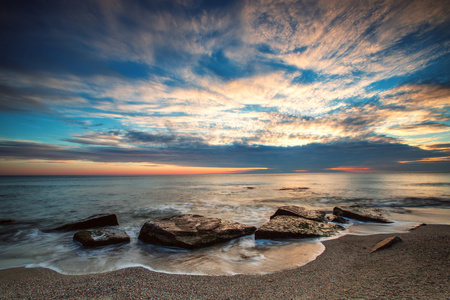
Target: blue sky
268,86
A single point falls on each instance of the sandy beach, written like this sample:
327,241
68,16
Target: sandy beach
416,268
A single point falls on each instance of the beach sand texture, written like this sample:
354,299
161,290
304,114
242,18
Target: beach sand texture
416,268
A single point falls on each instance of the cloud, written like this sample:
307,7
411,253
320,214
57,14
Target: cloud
314,157
194,77
12,99
430,159
351,169
439,147
111,138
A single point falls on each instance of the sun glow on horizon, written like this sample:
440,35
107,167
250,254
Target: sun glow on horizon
45,167
352,170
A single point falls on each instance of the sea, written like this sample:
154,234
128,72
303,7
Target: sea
37,203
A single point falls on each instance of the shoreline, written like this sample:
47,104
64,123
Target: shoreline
416,268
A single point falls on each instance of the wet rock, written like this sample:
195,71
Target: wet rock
101,237
386,243
282,227
338,219
298,211
94,221
192,231
296,189
361,213
417,226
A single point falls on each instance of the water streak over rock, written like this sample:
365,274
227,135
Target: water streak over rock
101,237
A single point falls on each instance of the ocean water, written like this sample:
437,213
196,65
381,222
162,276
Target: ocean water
37,203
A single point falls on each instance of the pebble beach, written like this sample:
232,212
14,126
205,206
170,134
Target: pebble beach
418,267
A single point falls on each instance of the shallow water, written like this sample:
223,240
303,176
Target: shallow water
40,202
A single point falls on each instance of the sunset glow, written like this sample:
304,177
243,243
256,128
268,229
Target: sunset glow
351,169
36,167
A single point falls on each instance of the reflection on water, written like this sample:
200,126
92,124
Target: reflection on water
38,203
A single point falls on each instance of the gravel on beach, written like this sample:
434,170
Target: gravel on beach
416,268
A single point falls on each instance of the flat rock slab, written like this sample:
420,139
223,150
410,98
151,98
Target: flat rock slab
299,211
386,243
192,231
283,227
361,213
94,221
101,237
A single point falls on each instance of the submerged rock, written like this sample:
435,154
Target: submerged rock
282,227
101,237
192,231
386,243
94,221
361,213
298,211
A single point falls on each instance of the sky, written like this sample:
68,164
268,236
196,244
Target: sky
199,87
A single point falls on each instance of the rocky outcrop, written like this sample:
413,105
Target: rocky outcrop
95,221
298,211
191,231
361,213
101,237
283,226
386,243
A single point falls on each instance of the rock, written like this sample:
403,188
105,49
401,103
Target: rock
298,211
297,189
94,221
361,213
101,237
417,226
283,227
192,231
386,243
338,219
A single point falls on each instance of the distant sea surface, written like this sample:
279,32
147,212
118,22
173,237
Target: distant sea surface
41,202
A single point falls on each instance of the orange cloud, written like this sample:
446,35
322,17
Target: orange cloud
351,169
428,159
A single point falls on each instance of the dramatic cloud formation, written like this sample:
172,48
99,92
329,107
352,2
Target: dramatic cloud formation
272,86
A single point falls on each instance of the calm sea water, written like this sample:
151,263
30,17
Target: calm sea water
41,202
